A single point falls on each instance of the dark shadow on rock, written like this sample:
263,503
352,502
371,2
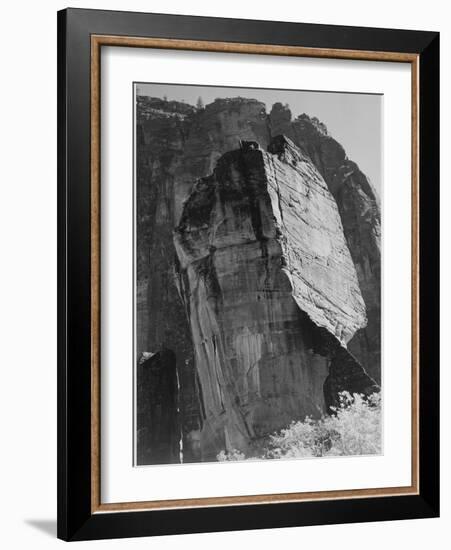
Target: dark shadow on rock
46,526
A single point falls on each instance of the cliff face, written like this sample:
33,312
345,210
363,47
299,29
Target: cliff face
176,145
318,310
215,130
271,292
161,322
359,210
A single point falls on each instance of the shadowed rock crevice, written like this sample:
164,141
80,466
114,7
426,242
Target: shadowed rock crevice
346,374
158,420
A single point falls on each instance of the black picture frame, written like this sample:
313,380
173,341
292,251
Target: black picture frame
76,521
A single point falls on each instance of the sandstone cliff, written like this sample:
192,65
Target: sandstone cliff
161,135
178,145
158,429
359,209
271,292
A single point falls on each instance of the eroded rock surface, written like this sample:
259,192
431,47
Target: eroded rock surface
359,209
161,321
271,292
158,423
178,144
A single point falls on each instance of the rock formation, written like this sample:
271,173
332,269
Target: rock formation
176,145
359,210
161,321
179,145
271,292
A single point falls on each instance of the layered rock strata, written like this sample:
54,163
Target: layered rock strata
176,145
271,293
359,208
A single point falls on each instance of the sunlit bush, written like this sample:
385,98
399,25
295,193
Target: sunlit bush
353,429
358,424
224,456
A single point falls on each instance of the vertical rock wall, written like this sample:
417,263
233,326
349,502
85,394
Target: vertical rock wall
271,291
176,145
161,321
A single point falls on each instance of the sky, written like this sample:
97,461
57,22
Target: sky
354,120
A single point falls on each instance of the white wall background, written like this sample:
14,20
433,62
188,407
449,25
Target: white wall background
28,272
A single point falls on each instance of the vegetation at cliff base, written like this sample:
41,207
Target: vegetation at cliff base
353,429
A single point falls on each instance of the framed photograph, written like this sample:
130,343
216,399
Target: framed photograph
248,274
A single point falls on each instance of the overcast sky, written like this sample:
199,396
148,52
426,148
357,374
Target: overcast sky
355,120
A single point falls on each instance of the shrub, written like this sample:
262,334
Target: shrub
353,429
232,455
358,423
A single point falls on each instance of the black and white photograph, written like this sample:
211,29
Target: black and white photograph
224,287
257,269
